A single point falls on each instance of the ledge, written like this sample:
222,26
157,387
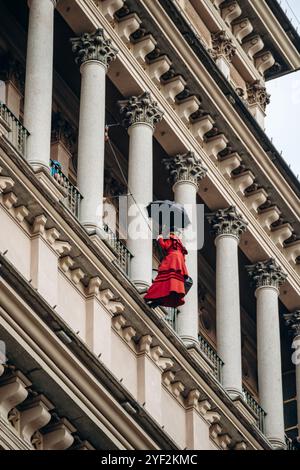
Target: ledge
55,323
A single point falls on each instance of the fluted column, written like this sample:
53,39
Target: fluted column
293,322
185,173
228,226
140,114
93,53
268,276
39,80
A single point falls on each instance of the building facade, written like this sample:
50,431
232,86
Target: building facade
147,100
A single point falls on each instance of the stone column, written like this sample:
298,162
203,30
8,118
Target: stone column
39,78
268,276
185,173
140,115
228,226
93,53
293,322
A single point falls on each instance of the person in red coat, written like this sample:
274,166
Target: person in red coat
168,287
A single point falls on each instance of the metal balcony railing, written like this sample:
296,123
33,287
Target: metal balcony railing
73,196
211,354
289,444
257,409
171,316
16,132
122,253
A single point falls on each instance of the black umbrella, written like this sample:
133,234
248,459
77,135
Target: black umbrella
168,214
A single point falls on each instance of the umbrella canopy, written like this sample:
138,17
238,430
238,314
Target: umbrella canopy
168,214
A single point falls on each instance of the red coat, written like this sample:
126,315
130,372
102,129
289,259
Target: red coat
168,287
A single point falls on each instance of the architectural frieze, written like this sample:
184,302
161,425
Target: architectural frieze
30,415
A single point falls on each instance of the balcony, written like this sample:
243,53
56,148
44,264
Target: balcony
211,354
120,250
14,130
289,444
257,409
73,197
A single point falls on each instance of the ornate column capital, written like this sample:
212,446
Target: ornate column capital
257,94
140,109
185,167
222,46
292,320
267,274
227,222
93,46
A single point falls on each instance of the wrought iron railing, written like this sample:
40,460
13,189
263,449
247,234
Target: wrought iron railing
289,444
257,409
171,316
121,251
16,132
211,354
73,196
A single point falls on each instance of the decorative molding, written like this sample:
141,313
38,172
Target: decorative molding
185,167
266,274
257,94
222,46
93,46
227,222
140,109
292,320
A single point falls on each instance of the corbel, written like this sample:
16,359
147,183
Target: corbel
128,25
214,145
142,47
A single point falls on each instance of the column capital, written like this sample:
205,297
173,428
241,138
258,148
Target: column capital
257,94
267,274
140,109
93,46
222,46
227,222
185,167
292,320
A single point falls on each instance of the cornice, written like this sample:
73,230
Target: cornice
241,120
42,324
263,10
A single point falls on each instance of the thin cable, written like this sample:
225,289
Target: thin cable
126,183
